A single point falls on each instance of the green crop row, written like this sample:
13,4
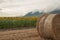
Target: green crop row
17,23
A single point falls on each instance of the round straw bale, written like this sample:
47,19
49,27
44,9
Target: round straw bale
56,26
52,26
40,24
49,26
37,24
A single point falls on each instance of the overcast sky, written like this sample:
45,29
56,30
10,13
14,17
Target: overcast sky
21,7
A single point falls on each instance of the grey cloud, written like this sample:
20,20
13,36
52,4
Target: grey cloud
12,7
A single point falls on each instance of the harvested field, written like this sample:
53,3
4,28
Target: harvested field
26,34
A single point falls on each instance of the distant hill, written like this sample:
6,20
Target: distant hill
55,11
36,13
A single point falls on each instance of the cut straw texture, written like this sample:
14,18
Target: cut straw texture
48,26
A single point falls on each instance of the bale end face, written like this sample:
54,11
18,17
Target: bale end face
56,26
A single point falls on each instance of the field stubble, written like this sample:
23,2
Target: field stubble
25,34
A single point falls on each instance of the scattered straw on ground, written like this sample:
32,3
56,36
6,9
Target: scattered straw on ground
27,34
